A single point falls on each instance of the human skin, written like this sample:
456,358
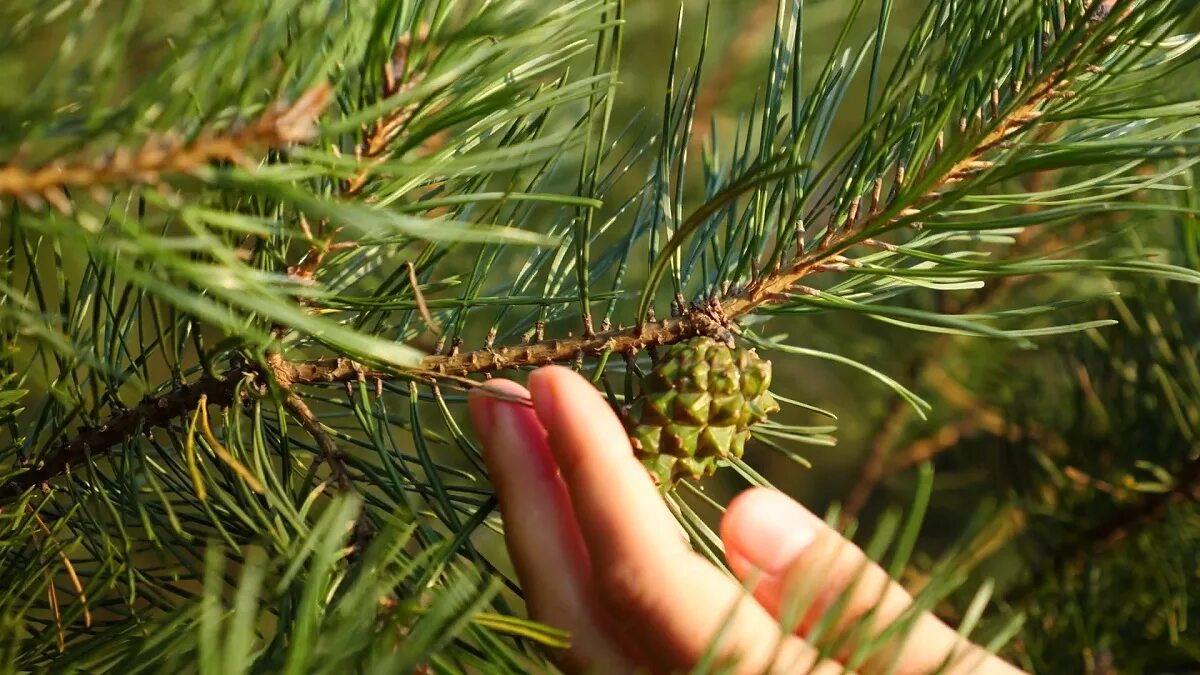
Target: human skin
599,554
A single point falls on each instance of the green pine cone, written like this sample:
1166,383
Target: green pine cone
696,408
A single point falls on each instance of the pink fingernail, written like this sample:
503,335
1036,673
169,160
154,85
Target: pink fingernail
515,427
483,417
506,425
772,531
541,390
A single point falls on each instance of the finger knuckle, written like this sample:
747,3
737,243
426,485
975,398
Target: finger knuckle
623,590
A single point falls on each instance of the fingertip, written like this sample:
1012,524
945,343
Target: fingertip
541,390
756,501
740,509
481,402
481,412
737,505
768,529
549,386
540,532
506,389
545,374
582,426
519,463
605,479
586,435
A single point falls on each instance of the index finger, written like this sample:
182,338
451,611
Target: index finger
617,506
666,598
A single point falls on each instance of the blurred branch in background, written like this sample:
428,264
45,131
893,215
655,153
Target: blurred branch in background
755,23
877,465
155,160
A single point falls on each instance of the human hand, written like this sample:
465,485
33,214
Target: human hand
599,554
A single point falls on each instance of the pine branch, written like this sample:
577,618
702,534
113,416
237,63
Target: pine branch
152,412
279,125
161,411
717,318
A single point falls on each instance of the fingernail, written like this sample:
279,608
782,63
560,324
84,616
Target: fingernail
772,531
504,423
486,398
541,390
483,417
513,427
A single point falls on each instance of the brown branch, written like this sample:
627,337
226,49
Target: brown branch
1085,481
152,412
160,411
220,390
285,375
280,125
384,130
329,449
374,148
977,416
873,468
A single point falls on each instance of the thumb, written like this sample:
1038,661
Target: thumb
800,567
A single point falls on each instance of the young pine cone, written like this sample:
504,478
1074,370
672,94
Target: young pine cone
696,408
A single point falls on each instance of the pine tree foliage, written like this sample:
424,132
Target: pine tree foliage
1100,487
1089,451
255,252
1133,520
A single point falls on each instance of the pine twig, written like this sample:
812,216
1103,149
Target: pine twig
770,287
383,131
329,449
373,149
279,125
876,465
283,373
